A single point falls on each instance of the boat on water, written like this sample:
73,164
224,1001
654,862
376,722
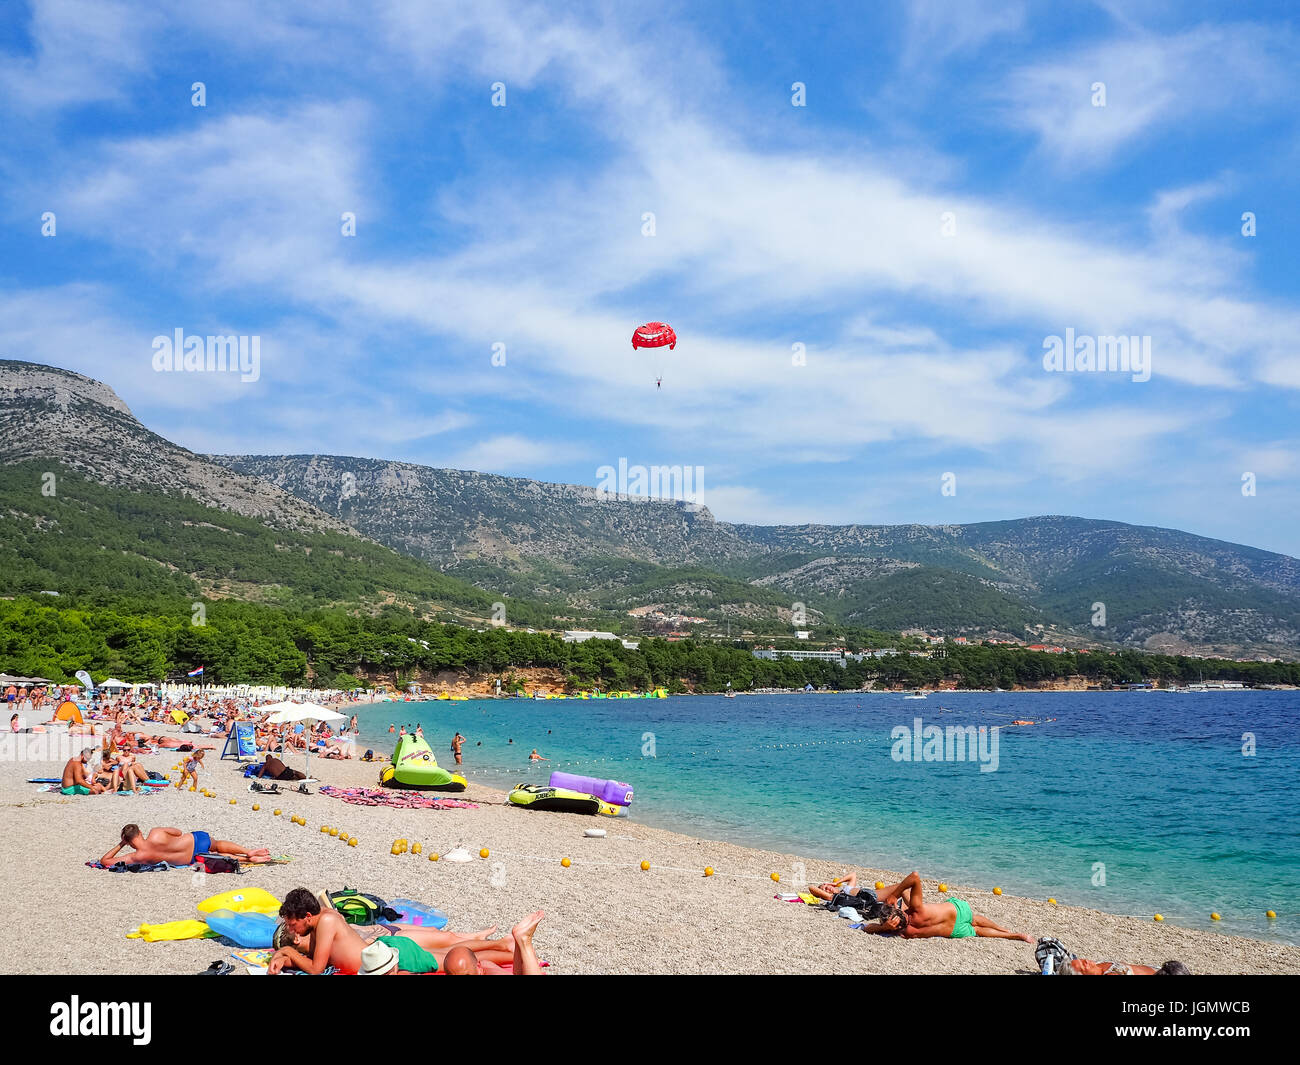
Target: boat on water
915,695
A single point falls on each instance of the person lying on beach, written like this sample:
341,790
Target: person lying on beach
846,883
1067,964
318,937
1084,967
275,769
463,962
76,781
175,847
914,918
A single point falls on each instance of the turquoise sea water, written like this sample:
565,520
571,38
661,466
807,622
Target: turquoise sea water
1153,785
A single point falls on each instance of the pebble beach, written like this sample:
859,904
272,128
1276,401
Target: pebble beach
604,914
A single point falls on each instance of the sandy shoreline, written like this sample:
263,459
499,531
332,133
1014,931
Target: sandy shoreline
604,915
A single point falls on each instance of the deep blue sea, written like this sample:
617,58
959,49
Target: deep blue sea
1154,786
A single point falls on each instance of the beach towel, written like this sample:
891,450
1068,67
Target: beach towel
135,867
406,800
143,789
259,958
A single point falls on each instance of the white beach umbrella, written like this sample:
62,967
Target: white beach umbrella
306,713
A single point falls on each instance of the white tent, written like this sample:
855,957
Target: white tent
114,683
306,713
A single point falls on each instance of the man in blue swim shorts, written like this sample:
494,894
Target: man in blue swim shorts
914,918
175,847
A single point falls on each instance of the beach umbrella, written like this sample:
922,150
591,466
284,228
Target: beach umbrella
301,713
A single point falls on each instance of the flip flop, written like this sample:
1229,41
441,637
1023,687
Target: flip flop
218,968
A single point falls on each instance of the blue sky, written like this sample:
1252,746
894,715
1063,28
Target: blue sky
775,225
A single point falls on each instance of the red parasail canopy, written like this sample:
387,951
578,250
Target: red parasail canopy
654,335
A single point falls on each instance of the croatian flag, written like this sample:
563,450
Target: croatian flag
195,672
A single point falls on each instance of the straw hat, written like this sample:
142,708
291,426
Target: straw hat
378,959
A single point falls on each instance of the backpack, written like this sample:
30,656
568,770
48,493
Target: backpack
360,908
865,902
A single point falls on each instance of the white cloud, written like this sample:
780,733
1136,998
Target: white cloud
515,453
1152,82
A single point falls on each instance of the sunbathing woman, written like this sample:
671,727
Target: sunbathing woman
175,847
952,919
328,939
847,883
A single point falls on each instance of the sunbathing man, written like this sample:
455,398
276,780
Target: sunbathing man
75,779
915,918
175,847
330,940
463,962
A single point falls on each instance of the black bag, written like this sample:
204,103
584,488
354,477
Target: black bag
210,864
864,901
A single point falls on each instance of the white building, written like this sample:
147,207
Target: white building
582,636
772,654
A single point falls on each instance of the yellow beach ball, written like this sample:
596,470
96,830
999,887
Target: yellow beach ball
417,848
352,842
324,828
232,802
276,813
483,853
880,885
334,831
565,862
433,857
708,870
1158,917
1052,901
397,847
191,787
256,806
997,891
1270,915
1215,917
943,887
645,867
776,878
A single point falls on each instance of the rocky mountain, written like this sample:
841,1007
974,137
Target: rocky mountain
60,416
1040,577
647,565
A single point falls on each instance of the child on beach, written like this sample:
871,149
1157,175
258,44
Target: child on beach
190,770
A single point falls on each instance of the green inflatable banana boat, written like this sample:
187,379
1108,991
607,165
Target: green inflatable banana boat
540,797
414,766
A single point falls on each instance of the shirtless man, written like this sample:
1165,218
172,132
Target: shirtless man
175,847
75,779
462,962
332,941
917,919
457,742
